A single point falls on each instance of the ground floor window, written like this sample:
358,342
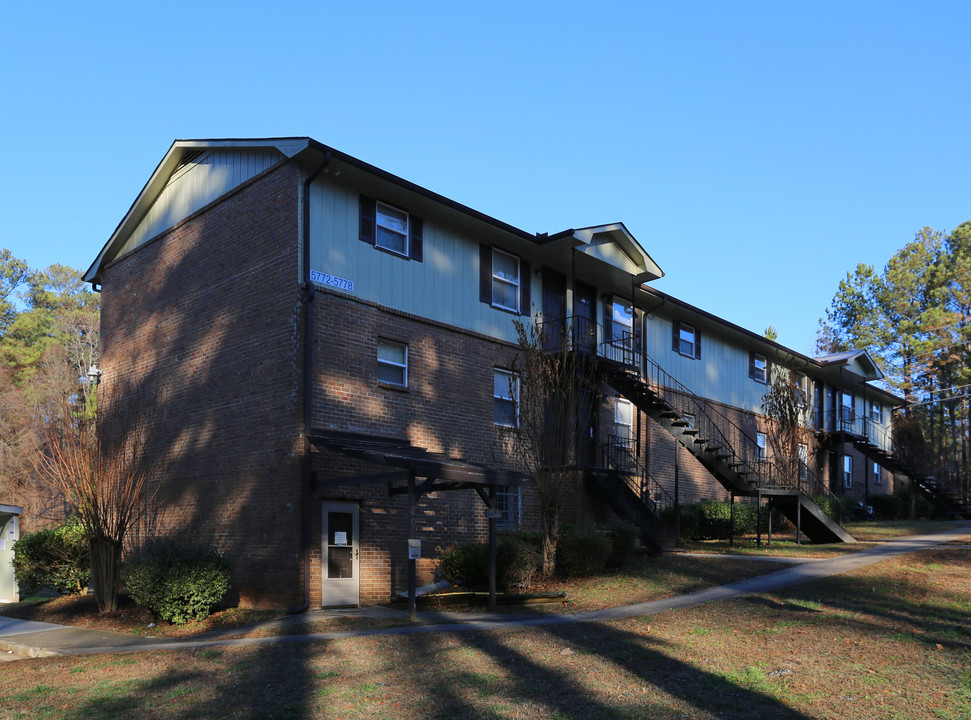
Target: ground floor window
848,471
876,474
508,502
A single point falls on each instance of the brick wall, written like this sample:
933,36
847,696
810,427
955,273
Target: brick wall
447,407
202,323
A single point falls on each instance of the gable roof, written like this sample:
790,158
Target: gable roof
292,147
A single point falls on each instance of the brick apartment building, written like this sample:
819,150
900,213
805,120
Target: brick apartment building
242,263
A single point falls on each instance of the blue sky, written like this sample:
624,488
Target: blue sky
757,150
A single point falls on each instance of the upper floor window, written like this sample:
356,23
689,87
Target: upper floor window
390,228
392,362
505,396
802,390
621,320
503,280
847,410
687,340
758,367
876,412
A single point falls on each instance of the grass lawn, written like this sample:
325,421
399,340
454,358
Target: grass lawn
892,640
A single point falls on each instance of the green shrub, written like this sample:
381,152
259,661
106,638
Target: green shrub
688,521
465,565
518,561
177,582
889,507
833,506
714,519
54,557
582,550
622,538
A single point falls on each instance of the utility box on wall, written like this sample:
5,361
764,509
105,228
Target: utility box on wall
9,534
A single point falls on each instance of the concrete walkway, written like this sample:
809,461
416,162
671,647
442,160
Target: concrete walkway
25,638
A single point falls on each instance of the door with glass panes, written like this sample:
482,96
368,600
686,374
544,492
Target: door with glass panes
341,554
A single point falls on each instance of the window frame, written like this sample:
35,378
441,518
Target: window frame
511,514
679,342
378,227
753,367
518,284
802,455
618,327
388,363
802,390
512,382
847,412
618,420
876,412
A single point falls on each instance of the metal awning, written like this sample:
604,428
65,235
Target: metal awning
439,471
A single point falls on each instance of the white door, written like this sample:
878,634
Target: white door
341,555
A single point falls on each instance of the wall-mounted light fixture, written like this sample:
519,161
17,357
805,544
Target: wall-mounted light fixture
94,374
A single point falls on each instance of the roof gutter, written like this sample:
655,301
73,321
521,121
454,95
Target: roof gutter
308,293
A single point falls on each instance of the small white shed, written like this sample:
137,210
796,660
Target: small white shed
9,534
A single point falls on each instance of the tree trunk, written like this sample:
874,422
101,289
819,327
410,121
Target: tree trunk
105,569
551,533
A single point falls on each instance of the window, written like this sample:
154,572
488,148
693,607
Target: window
803,462
876,412
622,320
508,503
802,390
877,478
505,396
758,367
503,280
390,228
690,419
847,412
687,340
623,419
760,446
848,471
392,362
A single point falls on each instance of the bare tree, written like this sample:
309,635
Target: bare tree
103,467
557,393
786,406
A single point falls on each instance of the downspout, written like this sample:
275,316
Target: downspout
308,293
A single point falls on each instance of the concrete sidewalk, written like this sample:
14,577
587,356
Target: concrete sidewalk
25,638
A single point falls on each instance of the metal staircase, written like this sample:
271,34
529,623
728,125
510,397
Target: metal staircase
876,443
633,494
731,456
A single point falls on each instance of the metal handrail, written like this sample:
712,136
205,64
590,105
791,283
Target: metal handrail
618,454
736,447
